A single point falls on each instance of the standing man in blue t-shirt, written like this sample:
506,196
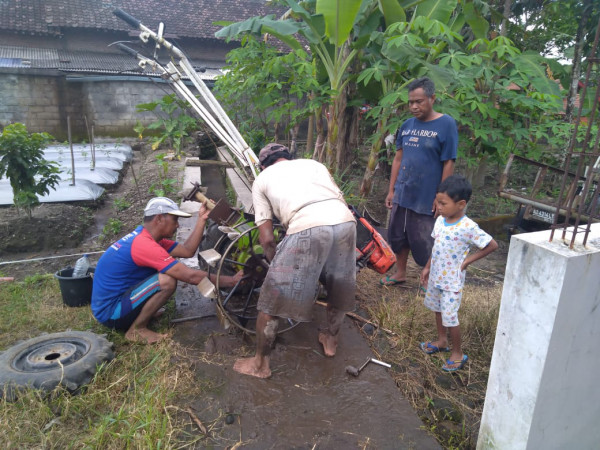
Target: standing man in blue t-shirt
426,147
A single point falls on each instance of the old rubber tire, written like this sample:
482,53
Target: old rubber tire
69,358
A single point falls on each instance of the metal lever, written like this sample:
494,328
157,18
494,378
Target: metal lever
127,18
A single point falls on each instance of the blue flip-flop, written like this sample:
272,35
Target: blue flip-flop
389,281
430,349
460,362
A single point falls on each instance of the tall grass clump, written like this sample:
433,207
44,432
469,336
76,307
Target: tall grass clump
450,405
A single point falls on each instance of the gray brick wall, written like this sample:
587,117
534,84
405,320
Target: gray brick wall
43,103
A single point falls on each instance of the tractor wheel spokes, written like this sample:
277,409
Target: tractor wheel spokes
239,303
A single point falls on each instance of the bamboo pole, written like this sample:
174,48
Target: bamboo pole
71,147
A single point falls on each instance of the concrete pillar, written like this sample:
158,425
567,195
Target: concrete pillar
543,390
189,302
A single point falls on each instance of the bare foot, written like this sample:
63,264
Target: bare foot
250,366
144,336
329,343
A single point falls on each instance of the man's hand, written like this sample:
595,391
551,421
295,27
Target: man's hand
434,209
203,212
228,280
238,276
425,276
389,199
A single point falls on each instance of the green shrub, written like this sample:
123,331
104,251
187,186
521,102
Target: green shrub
23,163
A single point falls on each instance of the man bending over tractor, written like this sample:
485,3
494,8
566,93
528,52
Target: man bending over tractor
320,242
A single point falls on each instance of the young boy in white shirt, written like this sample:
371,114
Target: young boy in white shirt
444,275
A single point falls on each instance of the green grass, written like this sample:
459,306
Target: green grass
35,306
132,401
419,376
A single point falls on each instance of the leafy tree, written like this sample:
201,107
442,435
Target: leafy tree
22,162
503,100
172,124
562,29
410,48
326,25
261,86
546,26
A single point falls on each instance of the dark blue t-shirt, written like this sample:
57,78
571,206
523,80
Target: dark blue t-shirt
425,146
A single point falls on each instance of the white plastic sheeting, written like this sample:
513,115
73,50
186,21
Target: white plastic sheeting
121,151
110,158
99,175
64,192
52,155
106,162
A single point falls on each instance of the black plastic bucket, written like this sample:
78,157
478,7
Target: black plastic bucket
75,291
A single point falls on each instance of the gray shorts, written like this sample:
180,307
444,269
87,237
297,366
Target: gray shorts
413,230
291,285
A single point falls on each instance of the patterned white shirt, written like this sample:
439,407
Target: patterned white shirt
452,244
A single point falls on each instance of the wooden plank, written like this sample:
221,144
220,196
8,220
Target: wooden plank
207,163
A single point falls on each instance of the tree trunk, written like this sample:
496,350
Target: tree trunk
476,173
506,16
318,154
332,133
367,181
347,138
294,143
479,172
344,127
309,134
576,67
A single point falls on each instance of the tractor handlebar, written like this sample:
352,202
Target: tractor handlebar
128,50
127,18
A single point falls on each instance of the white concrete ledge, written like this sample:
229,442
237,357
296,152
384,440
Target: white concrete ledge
543,386
241,186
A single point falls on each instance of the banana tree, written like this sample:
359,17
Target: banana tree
327,26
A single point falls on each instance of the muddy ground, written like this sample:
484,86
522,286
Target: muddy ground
57,230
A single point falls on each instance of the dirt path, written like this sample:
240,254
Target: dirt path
310,401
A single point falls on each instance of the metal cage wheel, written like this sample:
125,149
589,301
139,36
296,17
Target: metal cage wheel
238,303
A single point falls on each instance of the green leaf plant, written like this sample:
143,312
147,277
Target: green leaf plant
172,127
22,162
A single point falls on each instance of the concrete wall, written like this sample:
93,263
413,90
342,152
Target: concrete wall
43,98
542,389
43,103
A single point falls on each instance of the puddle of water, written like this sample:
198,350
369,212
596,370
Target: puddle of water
101,217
